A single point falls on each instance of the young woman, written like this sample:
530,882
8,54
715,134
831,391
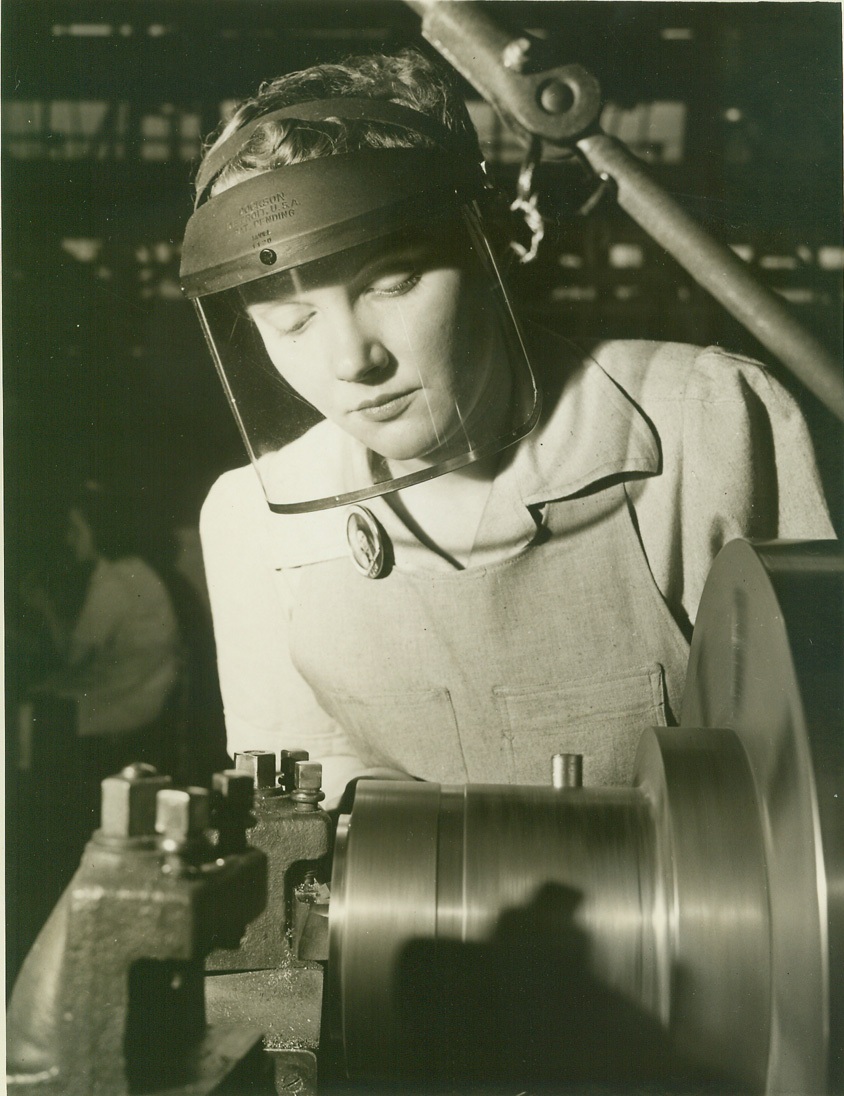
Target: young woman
538,521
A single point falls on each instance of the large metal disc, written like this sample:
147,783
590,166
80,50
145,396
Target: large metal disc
766,661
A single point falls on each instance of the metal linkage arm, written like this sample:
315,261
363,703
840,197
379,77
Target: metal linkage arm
717,269
561,105
557,104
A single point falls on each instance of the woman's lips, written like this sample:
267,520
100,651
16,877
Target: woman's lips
385,409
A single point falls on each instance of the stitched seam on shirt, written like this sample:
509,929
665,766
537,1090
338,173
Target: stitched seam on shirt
653,669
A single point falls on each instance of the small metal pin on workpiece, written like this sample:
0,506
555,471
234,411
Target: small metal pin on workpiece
566,770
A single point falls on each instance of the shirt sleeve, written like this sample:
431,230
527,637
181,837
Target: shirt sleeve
268,705
737,461
104,608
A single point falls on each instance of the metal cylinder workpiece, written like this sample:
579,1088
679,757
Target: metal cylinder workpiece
593,868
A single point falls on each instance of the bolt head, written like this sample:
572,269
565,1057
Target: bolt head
555,97
290,757
236,787
182,813
308,775
260,764
127,803
294,755
288,764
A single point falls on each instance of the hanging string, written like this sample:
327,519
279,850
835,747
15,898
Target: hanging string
526,203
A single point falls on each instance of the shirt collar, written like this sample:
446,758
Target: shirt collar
590,430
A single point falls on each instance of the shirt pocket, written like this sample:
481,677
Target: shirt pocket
414,730
602,718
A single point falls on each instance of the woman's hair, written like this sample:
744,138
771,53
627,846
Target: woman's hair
408,78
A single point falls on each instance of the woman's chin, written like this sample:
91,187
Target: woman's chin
421,447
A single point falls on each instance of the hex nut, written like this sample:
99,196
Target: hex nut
308,775
260,764
127,803
182,813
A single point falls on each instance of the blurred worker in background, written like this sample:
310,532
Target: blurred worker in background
121,653
540,518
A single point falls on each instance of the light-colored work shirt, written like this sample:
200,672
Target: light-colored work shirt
569,625
124,655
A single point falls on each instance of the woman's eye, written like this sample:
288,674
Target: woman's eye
298,325
282,322
293,325
395,288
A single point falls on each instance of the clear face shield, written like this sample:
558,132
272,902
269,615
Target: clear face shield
372,366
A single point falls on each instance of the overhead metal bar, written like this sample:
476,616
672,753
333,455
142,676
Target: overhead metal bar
561,105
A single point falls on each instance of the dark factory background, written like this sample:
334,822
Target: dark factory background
735,107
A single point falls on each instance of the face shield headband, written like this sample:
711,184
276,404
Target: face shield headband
356,316
308,210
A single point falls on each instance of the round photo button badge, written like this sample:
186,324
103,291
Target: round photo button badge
366,542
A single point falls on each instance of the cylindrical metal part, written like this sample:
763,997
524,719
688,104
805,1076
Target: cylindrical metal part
307,793
566,770
712,904
767,660
182,814
622,894
421,867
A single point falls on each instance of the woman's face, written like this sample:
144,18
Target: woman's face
398,346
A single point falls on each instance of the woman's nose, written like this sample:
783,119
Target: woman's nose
357,351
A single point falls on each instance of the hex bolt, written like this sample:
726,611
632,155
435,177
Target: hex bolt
127,803
181,818
287,767
555,97
308,793
237,789
260,764
566,770
234,794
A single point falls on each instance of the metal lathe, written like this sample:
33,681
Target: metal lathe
683,934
